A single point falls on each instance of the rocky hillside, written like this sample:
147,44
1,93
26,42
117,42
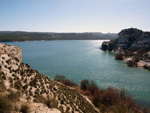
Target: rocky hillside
23,89
131,43
130,39
9,36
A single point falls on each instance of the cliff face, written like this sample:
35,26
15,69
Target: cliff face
130,40
127,37
38,92
143,41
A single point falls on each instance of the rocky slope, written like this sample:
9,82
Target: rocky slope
131,43
37,93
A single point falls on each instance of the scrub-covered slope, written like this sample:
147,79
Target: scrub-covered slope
28,90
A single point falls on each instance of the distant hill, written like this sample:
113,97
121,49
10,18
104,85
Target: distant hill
6,36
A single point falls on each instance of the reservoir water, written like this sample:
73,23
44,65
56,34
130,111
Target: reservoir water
82,59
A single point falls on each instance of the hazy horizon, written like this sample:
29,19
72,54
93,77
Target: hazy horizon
75,16
57,32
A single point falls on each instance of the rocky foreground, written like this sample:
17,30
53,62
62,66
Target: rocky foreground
23,89
132,46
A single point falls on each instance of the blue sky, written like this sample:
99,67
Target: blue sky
74,15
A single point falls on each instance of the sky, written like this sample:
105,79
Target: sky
106,16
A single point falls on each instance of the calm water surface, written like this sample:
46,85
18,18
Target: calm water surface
82,59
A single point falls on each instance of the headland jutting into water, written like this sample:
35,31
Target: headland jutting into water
132,46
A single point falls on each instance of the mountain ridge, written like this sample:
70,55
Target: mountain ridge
6,36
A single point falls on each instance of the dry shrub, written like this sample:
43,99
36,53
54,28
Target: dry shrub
25,108
62,79
86,92
6,105
120,107
116,101
119,57
92,88
147,67
132,63
8,101
84,84
110,96
69,83
96,97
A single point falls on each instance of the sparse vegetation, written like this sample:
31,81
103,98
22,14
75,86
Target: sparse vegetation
18,84
147,67
8,101
119,57
62,79
25,108
25,84
132,63
6,104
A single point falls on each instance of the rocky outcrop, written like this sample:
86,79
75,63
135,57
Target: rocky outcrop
10,57
12,51
143,41
130,39
127,37
133,43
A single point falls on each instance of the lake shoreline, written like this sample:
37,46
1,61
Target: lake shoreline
82,59
140,64
51,40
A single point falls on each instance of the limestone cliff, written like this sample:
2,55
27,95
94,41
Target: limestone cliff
132,39
133,43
